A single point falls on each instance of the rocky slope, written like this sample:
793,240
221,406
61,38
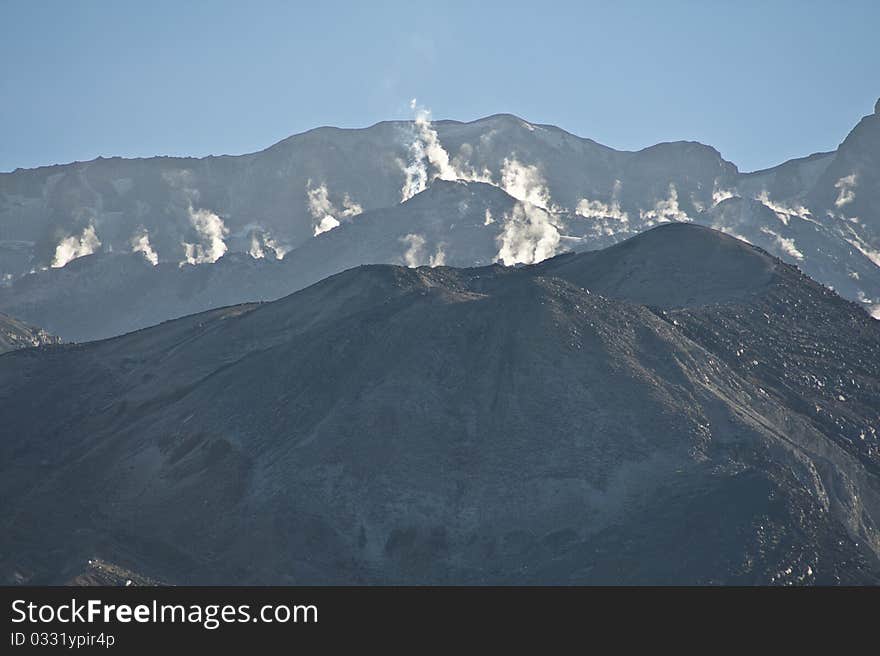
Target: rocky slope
678,408
818,212
15,334
452,223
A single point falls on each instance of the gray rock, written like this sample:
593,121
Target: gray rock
679,408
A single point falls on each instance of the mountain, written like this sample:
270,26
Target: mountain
455,223
107,294
284,192
451,222
819,248
678,408
15,335
818,212
849,189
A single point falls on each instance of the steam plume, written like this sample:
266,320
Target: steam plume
262,242
596,209
859,244
784,244
324,212
665,210
140,243
426,152
783,212
212,231
845,187
719,195
528,236
73,246
415,254
525,182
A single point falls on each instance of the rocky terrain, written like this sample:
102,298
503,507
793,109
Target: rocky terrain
77,240
678,408
15,335
107,294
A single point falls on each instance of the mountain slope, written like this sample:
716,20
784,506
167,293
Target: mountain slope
815,212
818,248
489,425
283,192
456,223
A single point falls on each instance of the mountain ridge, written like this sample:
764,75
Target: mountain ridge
816,212
490,425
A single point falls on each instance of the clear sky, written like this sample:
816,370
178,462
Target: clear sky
760,81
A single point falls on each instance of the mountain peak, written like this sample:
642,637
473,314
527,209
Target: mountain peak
447,384
672,265
457,190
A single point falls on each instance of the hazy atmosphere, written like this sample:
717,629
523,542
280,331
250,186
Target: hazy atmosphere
548,294
762,82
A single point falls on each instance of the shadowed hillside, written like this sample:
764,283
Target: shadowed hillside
680,408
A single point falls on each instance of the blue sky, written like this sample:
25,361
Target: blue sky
760,81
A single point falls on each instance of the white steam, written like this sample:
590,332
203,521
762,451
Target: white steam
324,212
596,209
733,233
326,224
783,212
864,249
528,236
846,194
719,195
211,231
784,244
428,159
433,151
525,182
140,243
416,255
209,227
424,150
665,210
74,246
263,244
